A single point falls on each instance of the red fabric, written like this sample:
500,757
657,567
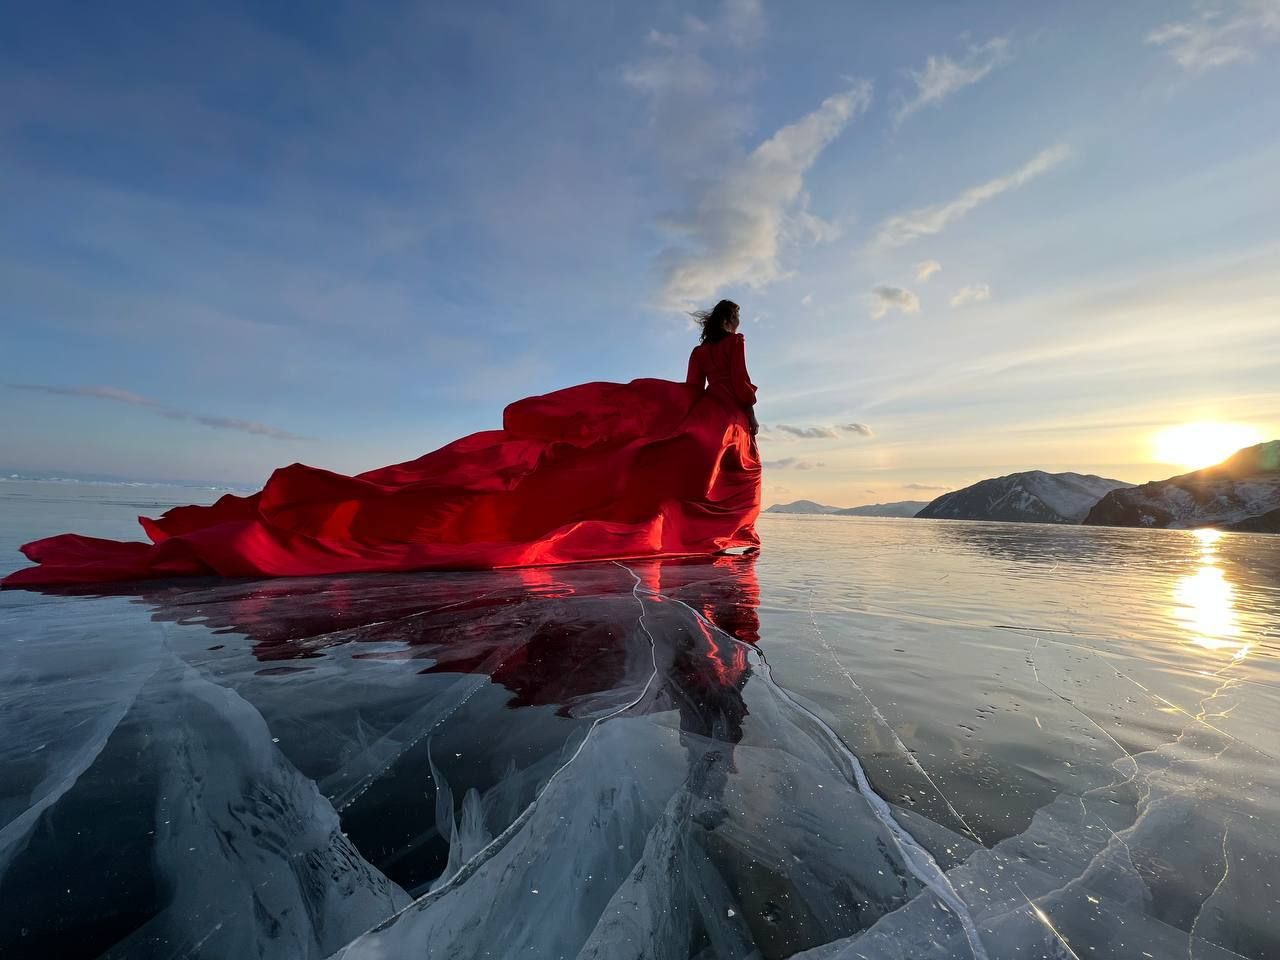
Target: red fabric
592,472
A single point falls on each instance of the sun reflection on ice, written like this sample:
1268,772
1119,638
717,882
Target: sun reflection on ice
1205,601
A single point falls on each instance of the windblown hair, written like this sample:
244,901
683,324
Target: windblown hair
712,321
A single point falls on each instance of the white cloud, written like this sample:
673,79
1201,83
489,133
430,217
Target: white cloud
807,433
942,76
973,293
1217,38
737,226
117,395
787,431
696,120
926,269
926,221
738,211
806,299
922,486
801,226
886,298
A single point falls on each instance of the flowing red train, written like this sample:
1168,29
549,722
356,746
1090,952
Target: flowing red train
598,471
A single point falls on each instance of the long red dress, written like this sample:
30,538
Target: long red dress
598,471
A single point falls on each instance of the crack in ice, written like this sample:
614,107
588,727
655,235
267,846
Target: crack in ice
930,874
344,802
492,848
1071,703
1197,719
1226,869
1043,917
369,779
911,758
915,857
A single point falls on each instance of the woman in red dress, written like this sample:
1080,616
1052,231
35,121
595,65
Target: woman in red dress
599,471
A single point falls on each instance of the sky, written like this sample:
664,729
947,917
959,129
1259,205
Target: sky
968,239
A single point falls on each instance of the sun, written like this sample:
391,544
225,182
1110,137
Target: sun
1203,444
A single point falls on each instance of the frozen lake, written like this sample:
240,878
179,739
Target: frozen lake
879,739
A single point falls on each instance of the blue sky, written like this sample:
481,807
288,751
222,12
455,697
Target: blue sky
245,235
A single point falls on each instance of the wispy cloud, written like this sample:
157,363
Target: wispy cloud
973,293
922,486
1220,35
900,230
926,269
172,413
791,463
885,298
691,110
732,226
942,76
739,224
808,433
99,393
787,431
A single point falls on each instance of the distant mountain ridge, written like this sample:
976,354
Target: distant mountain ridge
1241,493
899,508
1030,497
801,506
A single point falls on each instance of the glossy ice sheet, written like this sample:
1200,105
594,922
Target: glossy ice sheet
878,739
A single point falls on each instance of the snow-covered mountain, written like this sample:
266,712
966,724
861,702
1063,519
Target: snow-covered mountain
1268,522
1242,492
899,508
801,506
1034,497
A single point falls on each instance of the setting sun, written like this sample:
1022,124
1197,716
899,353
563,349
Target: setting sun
1203,444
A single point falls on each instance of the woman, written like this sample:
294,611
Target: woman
593,472
724,369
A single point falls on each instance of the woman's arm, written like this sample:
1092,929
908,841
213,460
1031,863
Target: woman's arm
743,389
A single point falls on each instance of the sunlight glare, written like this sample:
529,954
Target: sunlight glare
1203,444
1205,601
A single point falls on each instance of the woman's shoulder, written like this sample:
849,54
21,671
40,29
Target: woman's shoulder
727,342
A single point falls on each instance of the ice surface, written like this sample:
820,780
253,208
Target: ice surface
878,739
254,856
60,700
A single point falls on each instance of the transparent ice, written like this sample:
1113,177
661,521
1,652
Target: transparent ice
878,739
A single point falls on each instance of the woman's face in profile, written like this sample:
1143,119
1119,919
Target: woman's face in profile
733,322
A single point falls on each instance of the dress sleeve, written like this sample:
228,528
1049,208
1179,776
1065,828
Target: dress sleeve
696,378
743,389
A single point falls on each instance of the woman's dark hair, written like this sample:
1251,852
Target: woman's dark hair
713,321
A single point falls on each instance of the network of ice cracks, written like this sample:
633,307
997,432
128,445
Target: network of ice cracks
692,806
